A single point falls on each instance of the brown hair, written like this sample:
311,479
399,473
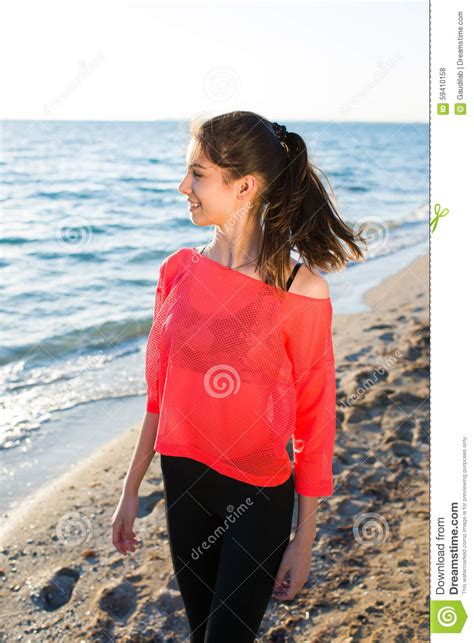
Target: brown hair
293,210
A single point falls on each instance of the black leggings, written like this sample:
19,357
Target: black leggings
227,539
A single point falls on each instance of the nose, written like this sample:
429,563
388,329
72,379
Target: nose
184,185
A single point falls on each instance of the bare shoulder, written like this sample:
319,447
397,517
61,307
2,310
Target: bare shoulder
311,283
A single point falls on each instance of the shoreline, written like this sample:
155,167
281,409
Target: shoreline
86,497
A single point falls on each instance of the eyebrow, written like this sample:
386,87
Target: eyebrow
197,165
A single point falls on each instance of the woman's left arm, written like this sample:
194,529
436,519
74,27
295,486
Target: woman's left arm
313,440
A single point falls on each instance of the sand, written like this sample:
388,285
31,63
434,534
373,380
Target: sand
64,580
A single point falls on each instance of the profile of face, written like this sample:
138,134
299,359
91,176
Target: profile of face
210,200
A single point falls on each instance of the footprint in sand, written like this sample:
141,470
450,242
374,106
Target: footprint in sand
119,601
411,354
386,337
354,357
169,601
172,582
146,504
370,376
57,592
376,327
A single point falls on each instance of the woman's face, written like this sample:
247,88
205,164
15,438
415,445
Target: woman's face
204,185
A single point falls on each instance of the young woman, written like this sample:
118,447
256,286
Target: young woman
239,361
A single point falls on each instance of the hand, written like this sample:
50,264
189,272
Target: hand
123,536
296,563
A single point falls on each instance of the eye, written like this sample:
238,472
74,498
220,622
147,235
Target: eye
195,174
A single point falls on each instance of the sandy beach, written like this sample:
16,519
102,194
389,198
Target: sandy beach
64,580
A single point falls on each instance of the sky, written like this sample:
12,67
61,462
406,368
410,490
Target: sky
153,60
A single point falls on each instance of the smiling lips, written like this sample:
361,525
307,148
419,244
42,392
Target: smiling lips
193,205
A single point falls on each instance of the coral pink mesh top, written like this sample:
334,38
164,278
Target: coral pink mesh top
236,368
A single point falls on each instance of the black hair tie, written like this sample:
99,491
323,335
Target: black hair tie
280,131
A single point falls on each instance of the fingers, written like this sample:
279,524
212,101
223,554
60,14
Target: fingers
123,537
281,585
129,538
280,589
282,574
293,589
117,537
287,589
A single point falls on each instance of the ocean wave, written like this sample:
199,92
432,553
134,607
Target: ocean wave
110,335
68,194
15,241
142,189
356,188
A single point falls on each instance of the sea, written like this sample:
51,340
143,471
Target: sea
89,211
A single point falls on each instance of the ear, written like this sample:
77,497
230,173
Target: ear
248,186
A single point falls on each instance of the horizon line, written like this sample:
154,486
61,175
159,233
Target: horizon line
181,120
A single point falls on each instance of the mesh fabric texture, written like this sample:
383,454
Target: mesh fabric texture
236,368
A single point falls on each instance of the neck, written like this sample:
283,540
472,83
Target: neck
233,252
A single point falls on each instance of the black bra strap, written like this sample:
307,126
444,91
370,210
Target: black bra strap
296,267
293,275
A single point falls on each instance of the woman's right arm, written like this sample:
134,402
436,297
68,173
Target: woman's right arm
123,536
142,455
